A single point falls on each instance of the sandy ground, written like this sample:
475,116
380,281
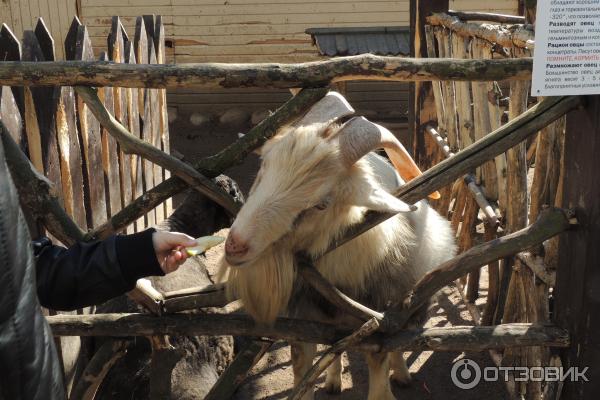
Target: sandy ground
272,378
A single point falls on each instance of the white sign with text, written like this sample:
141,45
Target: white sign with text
567,48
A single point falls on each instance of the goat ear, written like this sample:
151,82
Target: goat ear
380,200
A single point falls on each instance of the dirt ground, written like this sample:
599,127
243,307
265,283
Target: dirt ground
272,378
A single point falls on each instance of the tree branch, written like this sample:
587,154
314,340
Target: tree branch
282,76
238,369
95,371
457,338
132,144
214,165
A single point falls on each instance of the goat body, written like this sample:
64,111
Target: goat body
305,196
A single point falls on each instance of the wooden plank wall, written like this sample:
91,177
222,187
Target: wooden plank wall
22,15
242,30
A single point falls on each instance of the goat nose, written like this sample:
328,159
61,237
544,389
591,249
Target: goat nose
234,246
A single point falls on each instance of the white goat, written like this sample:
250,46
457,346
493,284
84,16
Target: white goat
313,184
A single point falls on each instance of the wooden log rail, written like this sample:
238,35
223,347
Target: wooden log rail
517,36
283,76
457,338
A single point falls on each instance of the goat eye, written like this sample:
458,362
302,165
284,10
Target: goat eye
323,204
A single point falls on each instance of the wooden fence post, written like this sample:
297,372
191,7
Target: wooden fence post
578,274
421,104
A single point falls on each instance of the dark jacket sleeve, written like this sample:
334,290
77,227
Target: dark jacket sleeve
94,272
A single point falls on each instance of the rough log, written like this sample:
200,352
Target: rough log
214,165
518,36
281,76
550,222
537,266
194,298
457,338
238,369
329,356
134,145
487,317
485,16
95,371
333,294
37,193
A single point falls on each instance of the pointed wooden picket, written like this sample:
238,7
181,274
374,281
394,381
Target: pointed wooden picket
91,142
141,54
137,177
110,153
117,55
159,44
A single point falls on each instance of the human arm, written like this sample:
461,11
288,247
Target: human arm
94,272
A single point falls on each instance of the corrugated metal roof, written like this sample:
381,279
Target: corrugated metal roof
385,41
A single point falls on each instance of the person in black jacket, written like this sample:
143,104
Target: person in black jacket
92,273
85,274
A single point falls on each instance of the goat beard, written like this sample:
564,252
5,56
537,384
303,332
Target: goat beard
264,285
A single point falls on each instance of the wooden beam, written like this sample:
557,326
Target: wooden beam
421,100
283,76
238,369
456,338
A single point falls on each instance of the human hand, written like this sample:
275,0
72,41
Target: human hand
169,248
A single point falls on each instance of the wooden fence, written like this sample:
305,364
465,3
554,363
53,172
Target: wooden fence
66,142
496,199
516,283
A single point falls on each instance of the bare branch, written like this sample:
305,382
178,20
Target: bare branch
132,144
457,338
283,76
214,165
95,371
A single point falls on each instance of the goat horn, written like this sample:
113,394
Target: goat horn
360,136
330,108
